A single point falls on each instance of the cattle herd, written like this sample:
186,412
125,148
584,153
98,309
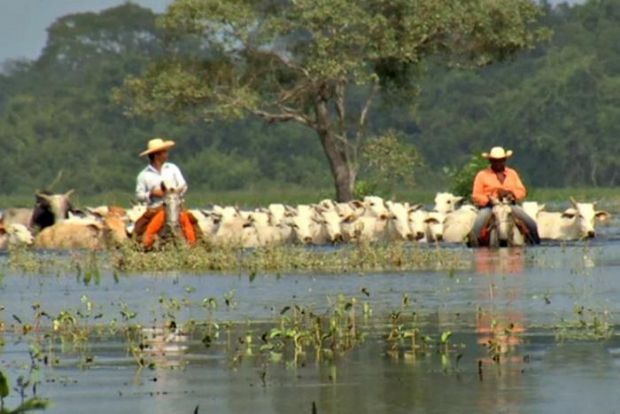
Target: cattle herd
54,223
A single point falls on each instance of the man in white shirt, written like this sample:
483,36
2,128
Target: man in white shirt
149,191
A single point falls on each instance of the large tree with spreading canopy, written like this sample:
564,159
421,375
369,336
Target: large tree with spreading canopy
300,60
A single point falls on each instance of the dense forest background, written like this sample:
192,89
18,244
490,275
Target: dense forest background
557,106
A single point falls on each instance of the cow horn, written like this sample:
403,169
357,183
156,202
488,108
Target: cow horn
44,196
573,201
68,193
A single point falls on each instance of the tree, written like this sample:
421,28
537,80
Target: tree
299,60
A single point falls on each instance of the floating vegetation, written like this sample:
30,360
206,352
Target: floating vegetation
363,257
588,324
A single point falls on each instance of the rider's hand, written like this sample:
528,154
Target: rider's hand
493,201
506,194
157,192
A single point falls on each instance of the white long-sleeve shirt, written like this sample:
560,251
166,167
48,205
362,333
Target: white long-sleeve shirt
150,179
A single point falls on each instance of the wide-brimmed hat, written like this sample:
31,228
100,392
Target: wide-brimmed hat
156,145
497,153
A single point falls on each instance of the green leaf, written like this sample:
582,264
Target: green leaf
4,385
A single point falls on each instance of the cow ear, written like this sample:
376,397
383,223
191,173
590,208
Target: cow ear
93,227
602,215
356,204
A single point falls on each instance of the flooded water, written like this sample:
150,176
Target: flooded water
525,330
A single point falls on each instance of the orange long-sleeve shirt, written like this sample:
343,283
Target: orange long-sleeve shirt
487,184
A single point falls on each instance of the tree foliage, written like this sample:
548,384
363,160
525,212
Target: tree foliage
556,106
299,60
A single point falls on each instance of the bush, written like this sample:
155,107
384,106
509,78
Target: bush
462,180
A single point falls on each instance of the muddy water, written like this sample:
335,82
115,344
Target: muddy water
554,301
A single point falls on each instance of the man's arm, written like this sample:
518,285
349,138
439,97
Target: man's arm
517,187
180,180
142,192
478,196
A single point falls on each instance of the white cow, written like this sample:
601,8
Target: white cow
375,206
398,227
459,224
446,202
434,226
258,231
230,222
363,227
328,221
15,234
573,224
532,208
417,221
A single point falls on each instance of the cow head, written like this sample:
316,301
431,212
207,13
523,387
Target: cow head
447,202
584,214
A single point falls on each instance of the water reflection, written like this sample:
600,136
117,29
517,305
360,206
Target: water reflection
499,261
500,328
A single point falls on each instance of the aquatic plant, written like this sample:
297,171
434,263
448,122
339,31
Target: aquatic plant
588,324
272,259
26,404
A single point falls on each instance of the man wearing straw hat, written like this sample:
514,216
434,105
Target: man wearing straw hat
149,190
497,183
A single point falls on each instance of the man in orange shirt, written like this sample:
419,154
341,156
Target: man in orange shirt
496,183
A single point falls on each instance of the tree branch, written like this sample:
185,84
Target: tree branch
282,117
364,113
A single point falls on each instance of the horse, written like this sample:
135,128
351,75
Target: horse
507,225
173,206
503,229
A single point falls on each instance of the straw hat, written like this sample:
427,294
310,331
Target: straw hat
497,153
156,145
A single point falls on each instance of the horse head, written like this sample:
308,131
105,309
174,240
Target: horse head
503,222
173,205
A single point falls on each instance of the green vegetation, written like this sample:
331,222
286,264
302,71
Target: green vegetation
362,257
556,106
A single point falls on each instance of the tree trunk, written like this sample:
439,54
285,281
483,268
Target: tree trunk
343,173
336,147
